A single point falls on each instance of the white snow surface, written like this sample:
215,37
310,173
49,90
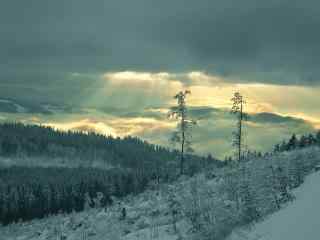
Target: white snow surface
299,220
149,216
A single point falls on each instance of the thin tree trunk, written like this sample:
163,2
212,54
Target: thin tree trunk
275,198
240,133
182,150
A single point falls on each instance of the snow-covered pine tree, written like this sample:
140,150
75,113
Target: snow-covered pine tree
295,172
274,186
182,135
317,138
293,142
174,208
87,202
238,110
248,199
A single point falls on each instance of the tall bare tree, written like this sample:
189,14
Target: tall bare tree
238,110
182,135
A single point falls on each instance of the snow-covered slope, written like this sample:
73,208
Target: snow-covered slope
147,218
298,221
204,205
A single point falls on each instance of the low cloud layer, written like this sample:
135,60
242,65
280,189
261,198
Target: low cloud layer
137,103
213,134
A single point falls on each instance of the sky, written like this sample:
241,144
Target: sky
113,66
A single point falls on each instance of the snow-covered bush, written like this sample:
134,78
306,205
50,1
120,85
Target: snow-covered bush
247,192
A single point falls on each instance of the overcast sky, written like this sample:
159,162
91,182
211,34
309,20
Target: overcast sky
113,66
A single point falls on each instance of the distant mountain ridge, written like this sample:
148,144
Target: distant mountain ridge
8,105
27,144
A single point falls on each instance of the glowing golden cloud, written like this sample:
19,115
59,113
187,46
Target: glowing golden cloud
136,103
114,126
203,79
146,81
138,126
129,76
84,125
215,91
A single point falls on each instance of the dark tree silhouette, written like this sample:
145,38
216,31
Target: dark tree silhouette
293,142
182,135
238,110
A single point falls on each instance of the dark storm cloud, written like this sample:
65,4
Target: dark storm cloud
263,41
271,41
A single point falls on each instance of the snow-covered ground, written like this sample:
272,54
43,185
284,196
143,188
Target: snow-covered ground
147,218
202,198
298,221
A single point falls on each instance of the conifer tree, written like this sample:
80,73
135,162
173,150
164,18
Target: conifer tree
303,142
293,142
238,110
311,139
318,138
183,133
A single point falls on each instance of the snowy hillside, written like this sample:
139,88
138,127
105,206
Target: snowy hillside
207,206
299,220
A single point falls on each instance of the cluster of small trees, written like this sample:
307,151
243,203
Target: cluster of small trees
245,191
34,192
28,193
23,141
295,143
